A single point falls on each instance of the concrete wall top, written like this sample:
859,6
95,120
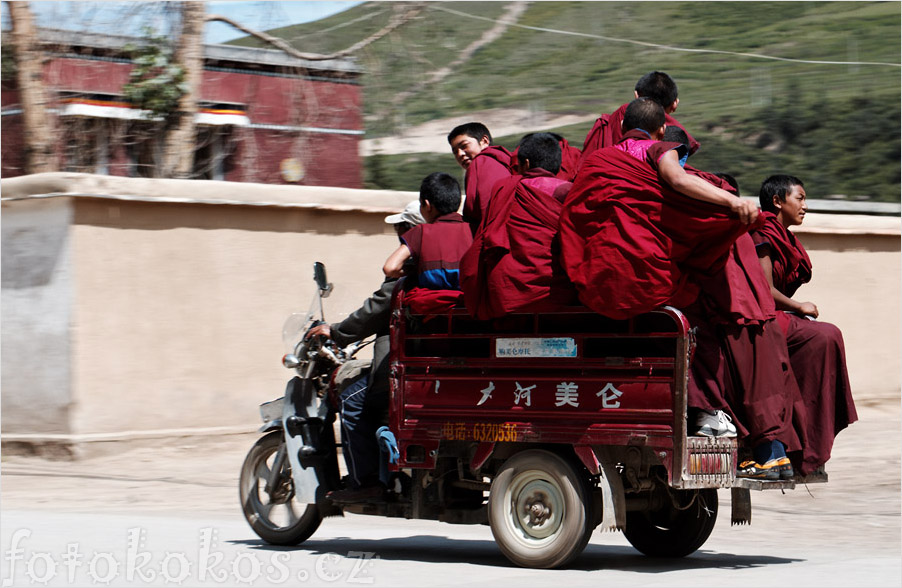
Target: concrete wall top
203,192
318,197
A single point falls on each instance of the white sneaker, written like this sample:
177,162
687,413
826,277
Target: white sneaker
714,424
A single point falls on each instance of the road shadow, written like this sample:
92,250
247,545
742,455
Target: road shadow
438,549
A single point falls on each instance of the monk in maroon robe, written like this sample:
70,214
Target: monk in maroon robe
741,363
607,130
485,165
570,157
634,237
514,262
816,349
630,240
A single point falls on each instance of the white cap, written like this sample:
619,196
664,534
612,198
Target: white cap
411,215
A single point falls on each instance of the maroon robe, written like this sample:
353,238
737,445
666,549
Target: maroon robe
629,242
607,132
487,169
790,261
816,349
570,157
430,302
514,262
741,363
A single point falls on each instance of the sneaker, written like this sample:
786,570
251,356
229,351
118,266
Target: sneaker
752,469
785,468
714,424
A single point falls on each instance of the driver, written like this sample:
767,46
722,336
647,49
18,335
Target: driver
363,404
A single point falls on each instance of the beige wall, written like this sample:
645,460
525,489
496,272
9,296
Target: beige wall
180,307
165,312
856,286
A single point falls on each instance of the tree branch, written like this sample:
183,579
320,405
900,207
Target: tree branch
396,21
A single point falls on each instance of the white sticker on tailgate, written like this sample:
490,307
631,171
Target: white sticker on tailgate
535,347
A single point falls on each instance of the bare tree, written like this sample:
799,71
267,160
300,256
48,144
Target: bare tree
400,18
180,138
29,56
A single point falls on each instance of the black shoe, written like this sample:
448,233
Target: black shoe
785,468
375,493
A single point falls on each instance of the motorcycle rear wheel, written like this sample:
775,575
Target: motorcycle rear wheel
276,517
674,530
539,510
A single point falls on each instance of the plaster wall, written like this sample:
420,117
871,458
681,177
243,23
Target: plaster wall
35,336
133,305
180,307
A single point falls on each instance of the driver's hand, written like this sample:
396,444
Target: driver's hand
322,329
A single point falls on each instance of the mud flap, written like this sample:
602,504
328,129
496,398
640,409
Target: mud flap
741,501
304,404
613,501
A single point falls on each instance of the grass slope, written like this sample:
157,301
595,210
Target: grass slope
834,125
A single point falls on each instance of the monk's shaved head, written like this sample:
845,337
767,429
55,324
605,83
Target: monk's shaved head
645,114
541,150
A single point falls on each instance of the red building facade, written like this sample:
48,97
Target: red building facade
264,116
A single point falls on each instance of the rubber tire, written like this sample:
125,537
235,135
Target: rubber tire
568,494
670,532
250,490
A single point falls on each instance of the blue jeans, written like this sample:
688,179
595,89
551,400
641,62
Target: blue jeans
361,409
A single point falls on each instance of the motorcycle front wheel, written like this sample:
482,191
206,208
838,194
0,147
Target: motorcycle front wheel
275,515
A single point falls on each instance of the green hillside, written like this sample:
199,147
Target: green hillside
835,125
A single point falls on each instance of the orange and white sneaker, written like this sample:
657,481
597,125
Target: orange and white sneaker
754,470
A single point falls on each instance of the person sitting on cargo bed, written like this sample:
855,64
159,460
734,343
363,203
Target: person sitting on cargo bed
436,246
514,262
639,231
657,86
484,163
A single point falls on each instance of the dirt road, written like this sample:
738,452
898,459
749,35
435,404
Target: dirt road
856,516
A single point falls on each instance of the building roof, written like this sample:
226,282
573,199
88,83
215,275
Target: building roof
223,53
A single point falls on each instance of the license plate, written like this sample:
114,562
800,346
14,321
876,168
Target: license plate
272,410
535,347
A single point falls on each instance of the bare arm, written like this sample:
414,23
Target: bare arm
394,265
675,176
782,301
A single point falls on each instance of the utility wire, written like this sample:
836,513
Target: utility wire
659,46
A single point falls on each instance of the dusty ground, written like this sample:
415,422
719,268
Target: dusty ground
201,474
842,533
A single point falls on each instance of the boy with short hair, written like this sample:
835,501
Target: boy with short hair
657,86
816,348
570,157
437,246
485,164
514,262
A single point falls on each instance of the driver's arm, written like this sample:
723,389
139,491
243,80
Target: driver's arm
372,318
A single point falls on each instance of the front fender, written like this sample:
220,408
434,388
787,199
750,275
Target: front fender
271,426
